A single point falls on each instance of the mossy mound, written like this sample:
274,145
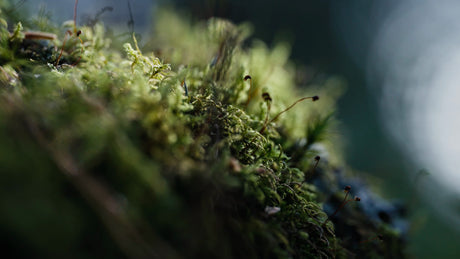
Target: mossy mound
108,152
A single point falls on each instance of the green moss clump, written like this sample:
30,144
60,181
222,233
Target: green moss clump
113,153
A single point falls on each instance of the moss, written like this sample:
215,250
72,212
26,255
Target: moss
170,158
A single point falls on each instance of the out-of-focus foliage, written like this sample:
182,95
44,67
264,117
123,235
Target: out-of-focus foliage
112,153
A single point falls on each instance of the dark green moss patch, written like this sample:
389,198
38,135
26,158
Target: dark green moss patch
171,161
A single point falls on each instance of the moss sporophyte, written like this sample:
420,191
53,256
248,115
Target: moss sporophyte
172,155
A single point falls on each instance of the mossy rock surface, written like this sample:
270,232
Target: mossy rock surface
110,152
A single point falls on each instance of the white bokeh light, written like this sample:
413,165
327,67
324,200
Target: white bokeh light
414,63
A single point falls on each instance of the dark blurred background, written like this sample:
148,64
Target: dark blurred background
328,37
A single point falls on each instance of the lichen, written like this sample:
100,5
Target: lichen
171,158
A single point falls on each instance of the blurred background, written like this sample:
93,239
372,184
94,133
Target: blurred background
401,62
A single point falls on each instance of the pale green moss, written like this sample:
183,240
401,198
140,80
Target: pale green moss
169,173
